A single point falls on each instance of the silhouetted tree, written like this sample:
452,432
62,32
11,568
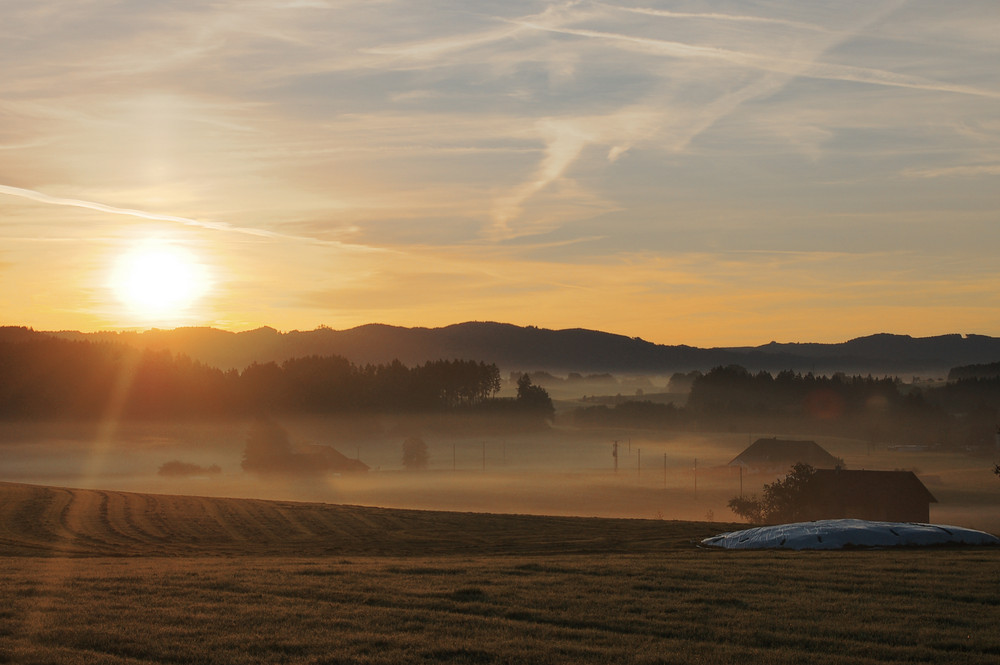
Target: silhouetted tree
681,382
414,453
268,448
534,398
750,508
319,384
787,500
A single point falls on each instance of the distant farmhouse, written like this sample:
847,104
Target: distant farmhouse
780,454
326,458
889,496
269,450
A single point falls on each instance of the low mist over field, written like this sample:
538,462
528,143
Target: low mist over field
458,435
558,472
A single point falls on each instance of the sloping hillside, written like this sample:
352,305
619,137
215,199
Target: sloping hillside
59,521
531,348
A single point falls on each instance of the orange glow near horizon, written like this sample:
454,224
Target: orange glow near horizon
142,282
711,177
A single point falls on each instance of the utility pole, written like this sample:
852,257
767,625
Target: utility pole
614,453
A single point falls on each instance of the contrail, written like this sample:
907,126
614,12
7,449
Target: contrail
787,66
735,18
131,212
442,46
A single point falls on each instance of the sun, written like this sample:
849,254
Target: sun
157,280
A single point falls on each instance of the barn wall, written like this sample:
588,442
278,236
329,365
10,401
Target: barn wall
898,509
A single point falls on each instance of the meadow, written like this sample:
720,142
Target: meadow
562,471
116,577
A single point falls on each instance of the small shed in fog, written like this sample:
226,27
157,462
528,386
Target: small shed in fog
781,454
327,458
888,496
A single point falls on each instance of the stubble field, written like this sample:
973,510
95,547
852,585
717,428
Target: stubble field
115,577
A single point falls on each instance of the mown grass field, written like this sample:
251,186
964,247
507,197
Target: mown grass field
112,577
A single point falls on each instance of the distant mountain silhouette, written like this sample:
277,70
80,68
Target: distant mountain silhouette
891,353
573,350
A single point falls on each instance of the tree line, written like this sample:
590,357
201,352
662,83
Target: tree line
45,377
965,412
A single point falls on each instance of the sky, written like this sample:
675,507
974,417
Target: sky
710,173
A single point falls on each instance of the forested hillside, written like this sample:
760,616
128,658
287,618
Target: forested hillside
44,377
527,348
963,413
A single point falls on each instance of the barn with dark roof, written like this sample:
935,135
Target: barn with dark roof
885,496
781,454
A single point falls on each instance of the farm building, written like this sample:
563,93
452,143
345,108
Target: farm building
269,450
890,496
780,454
327,458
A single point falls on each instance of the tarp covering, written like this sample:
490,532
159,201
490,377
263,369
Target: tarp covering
836,534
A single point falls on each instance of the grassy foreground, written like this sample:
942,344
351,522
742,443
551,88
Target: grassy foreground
129,578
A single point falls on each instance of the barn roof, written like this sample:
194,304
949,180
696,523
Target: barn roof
775,453
873,485
328,458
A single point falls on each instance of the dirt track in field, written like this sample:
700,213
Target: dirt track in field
37,520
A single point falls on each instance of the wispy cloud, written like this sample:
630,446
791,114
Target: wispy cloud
715,16
565,138
40,197
955,171
446,45
787,66
565,141
548,141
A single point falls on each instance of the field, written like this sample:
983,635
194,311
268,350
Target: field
94,576
680,476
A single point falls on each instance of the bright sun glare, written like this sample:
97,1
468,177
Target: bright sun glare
156,279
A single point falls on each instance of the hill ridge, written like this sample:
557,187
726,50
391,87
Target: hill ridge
528,348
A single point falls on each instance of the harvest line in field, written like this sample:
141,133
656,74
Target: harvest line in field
36,520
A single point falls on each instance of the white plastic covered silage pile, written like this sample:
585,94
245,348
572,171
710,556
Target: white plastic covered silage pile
846,533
